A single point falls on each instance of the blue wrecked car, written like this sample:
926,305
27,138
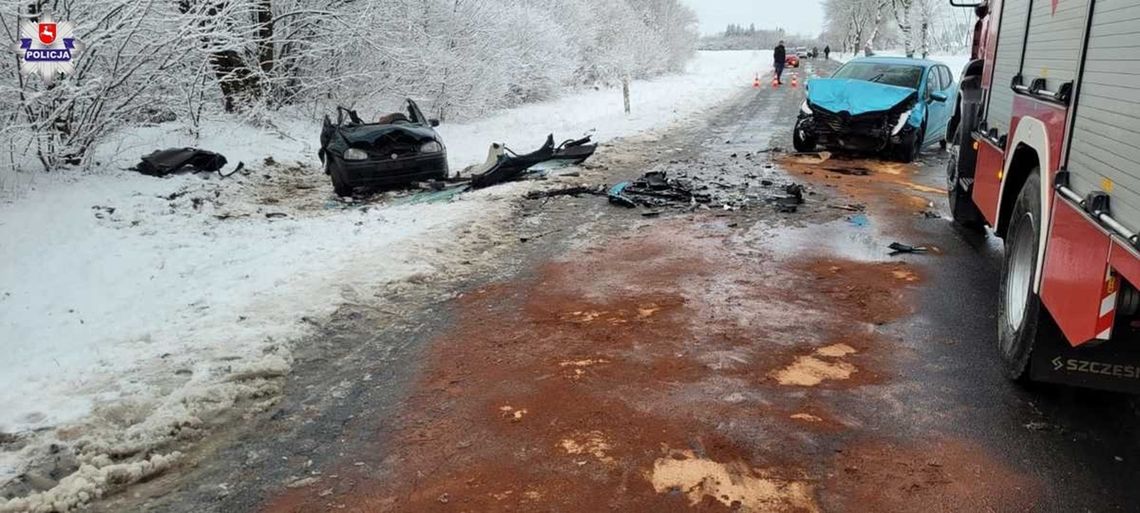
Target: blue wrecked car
891,105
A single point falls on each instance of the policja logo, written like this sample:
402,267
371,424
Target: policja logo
47,48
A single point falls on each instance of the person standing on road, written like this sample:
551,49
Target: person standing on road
779,56
827,52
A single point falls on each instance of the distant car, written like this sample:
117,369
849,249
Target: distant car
792,61
802,52
878,104
397,149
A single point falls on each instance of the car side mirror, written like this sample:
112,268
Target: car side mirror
433,122
939,97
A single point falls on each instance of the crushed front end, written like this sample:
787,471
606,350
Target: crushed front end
395,156
864,132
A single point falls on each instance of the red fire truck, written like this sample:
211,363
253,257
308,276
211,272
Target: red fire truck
1047,154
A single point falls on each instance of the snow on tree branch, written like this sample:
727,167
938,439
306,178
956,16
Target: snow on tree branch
149,61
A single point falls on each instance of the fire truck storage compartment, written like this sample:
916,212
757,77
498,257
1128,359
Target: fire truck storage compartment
1104,152
1037,40
1053,46
1011,39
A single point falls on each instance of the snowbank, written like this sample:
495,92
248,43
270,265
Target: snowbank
710,78
133,309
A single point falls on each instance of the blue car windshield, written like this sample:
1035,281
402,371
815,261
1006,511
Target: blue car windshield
901,75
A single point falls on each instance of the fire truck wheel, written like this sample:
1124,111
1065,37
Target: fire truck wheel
1020,314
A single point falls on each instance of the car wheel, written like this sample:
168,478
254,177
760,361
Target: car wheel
909,152
340,186
962,208
905,152
1022,322
802,141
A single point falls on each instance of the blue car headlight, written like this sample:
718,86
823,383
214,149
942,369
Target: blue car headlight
901,123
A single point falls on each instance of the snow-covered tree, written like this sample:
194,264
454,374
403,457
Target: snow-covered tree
150,61
918,26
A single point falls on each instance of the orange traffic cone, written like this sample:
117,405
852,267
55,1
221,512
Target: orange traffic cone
775,82
756,83
795,83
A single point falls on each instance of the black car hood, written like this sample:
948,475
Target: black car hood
369,136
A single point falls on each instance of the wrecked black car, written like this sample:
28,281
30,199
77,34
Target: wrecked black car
397,149
878,104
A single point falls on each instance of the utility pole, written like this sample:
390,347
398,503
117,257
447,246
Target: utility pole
625,92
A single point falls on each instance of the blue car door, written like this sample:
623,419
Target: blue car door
937,113
951,89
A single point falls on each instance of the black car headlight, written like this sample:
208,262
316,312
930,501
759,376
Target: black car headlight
431,147
805,109
355,154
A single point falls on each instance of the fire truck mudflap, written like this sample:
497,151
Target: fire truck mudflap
1107,367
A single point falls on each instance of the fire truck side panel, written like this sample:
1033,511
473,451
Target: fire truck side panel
1076,263
1053,45
1049,136
1038,127
988,32
1007,61
1104,154
988,180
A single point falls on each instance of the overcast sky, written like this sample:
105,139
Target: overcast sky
794,16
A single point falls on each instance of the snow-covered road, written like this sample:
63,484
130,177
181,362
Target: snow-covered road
133,307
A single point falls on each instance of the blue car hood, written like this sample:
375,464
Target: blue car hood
856,96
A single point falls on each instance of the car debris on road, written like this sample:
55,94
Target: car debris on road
172,160
576,190
504,165
898,248
655,189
